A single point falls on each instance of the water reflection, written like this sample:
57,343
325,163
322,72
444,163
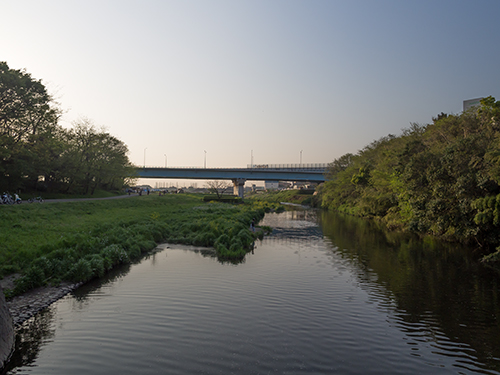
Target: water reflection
442,294
327,289
297,226
30,338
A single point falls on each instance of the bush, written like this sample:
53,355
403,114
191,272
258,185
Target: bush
115,254
97,265
81,271
33,278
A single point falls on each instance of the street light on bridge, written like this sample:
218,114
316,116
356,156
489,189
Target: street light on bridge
145,157
205,163
301,157
165,160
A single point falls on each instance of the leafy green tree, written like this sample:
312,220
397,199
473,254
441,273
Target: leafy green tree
37,153
338,165
28,121
93,159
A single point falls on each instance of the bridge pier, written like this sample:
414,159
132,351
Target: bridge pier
239,187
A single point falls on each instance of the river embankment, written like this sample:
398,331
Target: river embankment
6,331
26,305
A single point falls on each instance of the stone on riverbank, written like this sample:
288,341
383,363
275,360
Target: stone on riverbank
6,331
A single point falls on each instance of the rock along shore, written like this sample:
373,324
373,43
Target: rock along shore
28,304
19,309
6,332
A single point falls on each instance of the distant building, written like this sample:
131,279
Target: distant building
472,103
271,185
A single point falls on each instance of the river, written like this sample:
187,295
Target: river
324,294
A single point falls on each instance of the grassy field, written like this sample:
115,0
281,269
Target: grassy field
77,241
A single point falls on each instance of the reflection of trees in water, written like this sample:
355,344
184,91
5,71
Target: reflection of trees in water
30,338
210,252
293,237
291,218
299,226
304,214
437,287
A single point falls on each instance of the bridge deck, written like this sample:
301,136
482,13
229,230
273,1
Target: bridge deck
255,174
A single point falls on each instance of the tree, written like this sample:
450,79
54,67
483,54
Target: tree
35,148
93,159
218,187
338,165
28,122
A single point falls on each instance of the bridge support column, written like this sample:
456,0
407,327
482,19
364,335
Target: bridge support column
239,187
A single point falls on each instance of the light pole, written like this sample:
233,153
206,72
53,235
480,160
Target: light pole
205,163
251,159
145,157
301,158
165,160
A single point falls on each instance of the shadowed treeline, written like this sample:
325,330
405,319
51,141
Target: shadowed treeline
441,179
38,154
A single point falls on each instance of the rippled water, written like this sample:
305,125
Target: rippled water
322,295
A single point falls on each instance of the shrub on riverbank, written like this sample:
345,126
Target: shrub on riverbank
222,198
303,197
77,241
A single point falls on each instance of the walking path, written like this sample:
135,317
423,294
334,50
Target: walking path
89,199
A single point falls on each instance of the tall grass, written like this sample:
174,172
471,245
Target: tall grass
77,241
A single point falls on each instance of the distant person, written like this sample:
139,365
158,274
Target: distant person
252,225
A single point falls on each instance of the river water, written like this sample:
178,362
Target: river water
324,294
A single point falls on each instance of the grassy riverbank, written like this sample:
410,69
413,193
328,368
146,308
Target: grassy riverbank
77,241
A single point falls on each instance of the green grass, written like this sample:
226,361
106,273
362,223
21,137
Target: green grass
291,196
80,240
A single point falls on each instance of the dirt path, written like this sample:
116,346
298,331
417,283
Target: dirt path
88,199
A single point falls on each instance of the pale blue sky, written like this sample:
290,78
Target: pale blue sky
275,76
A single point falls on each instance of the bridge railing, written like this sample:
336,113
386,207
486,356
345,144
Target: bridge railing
302,166
298,166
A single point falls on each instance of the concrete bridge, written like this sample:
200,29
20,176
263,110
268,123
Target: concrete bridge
261,172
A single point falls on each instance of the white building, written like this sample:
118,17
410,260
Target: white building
472,103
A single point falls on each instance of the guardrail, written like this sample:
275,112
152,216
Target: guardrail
307,166
303,166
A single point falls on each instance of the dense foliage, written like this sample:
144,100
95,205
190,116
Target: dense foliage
441,179
77,241
37,154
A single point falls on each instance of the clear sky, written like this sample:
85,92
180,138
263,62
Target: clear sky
173,79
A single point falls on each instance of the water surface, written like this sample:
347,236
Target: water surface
324,294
